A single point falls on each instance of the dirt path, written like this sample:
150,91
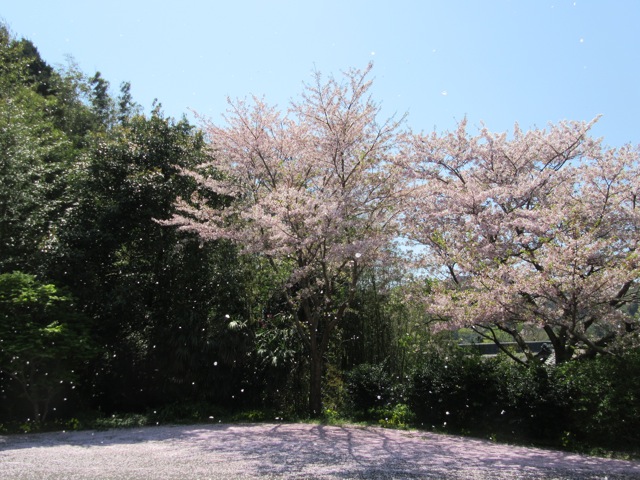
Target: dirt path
285,451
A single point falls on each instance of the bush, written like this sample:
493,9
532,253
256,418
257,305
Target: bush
44,344
605,400
454,391
188,412
531,404
369,386
459,392
581,404
397,416
129,420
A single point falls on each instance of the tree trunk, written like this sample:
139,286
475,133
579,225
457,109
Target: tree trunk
562,351
315,384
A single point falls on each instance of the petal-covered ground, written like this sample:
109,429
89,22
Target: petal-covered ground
286,451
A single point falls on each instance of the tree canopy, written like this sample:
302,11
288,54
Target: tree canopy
313,190
538,228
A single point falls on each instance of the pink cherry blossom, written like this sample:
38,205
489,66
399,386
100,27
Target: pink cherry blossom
537,228
313,190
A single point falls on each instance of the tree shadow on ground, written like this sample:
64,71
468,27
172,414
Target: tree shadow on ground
297,451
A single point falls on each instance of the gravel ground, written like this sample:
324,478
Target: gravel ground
299,451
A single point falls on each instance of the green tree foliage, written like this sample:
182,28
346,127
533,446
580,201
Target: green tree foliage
44,341
384,325
604,400
101,101
22,65
83,179
162,300
34,154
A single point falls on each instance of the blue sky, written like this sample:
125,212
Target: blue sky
493,61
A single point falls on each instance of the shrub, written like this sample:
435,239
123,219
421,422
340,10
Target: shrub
188,412
605,400
454,391
531,404
368,386
44,343
129,420
580,404
398,416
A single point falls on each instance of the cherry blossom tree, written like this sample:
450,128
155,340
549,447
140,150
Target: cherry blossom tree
312,191
534,229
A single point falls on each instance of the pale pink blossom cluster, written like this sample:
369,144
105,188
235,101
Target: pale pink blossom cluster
314,190
537,228
312,184
534,228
